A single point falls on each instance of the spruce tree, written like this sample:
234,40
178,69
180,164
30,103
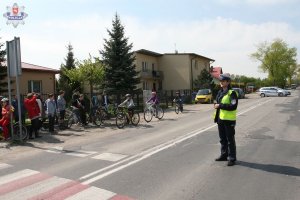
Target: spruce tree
64,83
3,70
120,76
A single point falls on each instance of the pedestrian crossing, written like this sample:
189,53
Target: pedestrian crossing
4,165
112,157
29,184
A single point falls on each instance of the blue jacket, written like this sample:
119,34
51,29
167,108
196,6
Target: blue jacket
51,107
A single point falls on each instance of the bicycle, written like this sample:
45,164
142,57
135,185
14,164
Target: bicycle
107,113
178,107
16,132
124,116
94,118
71,118
150,111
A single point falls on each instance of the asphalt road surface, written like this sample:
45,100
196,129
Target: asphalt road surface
168,159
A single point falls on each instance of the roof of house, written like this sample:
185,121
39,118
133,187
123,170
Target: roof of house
191,54
152,53
149,53
216,71
32,67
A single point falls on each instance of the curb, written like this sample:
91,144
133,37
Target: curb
4,145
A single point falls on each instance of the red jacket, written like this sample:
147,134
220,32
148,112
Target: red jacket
6,112
32,107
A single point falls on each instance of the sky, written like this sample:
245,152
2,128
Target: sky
227,31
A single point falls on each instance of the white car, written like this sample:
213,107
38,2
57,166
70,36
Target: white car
288,91
272,92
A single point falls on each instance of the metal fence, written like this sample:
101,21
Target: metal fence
165,98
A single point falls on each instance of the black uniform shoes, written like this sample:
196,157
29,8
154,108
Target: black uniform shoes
224,158
221,158
231,163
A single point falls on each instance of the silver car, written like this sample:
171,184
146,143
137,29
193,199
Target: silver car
272,92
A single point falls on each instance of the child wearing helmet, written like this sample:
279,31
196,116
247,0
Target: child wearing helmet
178,100
129,104
154,101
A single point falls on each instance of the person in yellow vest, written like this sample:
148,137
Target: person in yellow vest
225,117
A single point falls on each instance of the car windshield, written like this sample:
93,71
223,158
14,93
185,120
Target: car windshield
203,92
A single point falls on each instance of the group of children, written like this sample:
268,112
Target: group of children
37,110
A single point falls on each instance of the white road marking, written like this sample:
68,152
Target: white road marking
17,175
152,151
53,151
92,193
113,157
37,188
56,149
81,153
78,153
173,143
4,166
59,148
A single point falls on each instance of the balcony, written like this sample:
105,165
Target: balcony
154,75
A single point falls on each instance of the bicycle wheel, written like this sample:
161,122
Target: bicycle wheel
103,115
148,115
176,109
120,120
135,119
70,121
17,134
97,119
160,113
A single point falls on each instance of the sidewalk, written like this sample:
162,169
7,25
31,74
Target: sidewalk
78,134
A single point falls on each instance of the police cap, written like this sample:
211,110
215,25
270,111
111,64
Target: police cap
224,77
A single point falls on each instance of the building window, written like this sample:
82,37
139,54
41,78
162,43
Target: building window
196,64
144,66
145,85
35,86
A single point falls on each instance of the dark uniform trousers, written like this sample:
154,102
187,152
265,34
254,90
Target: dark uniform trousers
226,133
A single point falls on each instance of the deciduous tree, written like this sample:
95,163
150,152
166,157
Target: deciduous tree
89,71
277,59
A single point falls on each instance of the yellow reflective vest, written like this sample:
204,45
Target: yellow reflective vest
226,114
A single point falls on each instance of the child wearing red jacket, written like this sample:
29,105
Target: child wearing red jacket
33,111
4,121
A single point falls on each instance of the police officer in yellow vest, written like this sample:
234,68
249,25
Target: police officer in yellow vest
225,116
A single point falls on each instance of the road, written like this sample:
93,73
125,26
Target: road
168,159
